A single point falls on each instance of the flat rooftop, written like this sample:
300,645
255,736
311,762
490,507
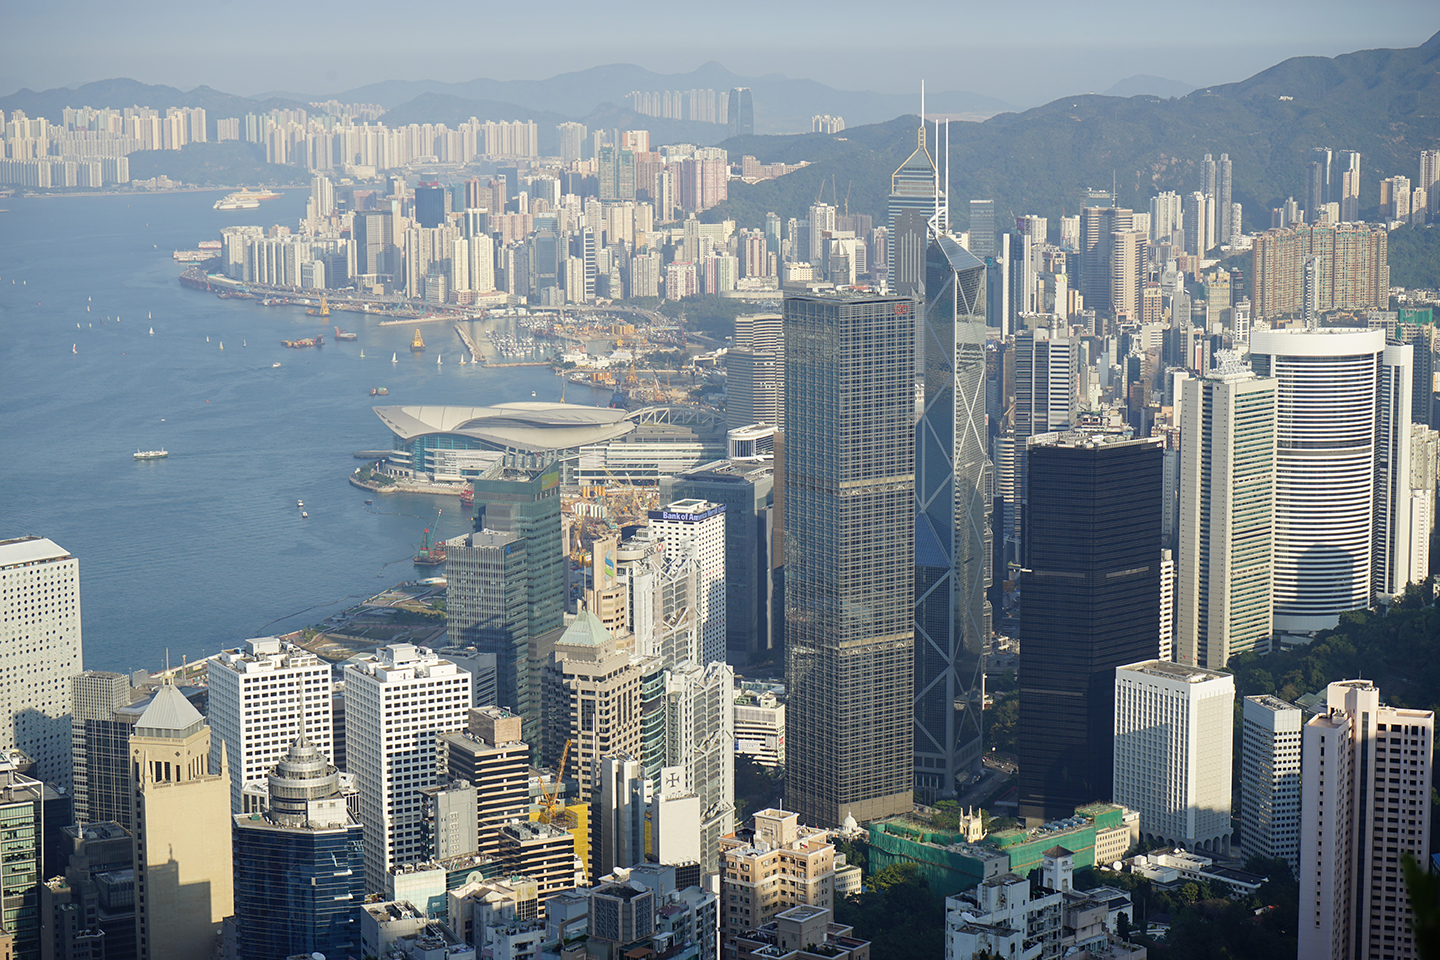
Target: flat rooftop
1174,671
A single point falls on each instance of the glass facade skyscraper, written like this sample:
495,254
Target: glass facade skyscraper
912,203
952,522
1091,603
849,531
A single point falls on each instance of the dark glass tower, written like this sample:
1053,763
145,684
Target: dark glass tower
952,523
742,113
488,609
432,204
527,503
849,530
1090,602
299,874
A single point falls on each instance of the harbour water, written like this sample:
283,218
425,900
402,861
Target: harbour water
196,552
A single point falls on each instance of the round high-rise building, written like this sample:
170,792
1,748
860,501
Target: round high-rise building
1325,436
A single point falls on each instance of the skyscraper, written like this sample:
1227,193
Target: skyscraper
982,228
398,702
1270,779
702,524
913,193
849,529
1091,589
1324,470
262,696
1318,190
1174,730
1224,191
1097,227
952,523
755,372
184,877
1227,516
487,608
1349,182
99,744
1365,774
741,117
432,204
1392,525
22,814
39,652
299,865
1430,180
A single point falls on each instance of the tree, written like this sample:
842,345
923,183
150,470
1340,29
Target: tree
1122,927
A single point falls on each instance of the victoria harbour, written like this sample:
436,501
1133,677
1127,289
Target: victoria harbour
197,551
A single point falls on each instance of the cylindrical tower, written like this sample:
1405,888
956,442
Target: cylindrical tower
1324,470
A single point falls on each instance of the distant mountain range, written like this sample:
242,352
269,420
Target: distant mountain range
1384,103
782,104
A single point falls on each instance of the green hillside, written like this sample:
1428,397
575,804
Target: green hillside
1385,103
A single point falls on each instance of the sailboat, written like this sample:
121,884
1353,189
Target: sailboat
244,344
222,344
152,331
148,315
437,360
362,353
88,299
207,339
74,349
87,308
462,359
392,359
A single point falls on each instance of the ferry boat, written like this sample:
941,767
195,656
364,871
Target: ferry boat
151,454
417,343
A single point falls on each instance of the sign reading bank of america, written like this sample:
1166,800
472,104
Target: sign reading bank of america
686,517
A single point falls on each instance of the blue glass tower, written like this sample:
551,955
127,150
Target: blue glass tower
299,871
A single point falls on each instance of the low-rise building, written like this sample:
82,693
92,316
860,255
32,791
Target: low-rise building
760,728
802,933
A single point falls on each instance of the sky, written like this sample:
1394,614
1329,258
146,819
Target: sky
1022,52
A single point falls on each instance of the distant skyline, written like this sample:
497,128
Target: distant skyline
1055,49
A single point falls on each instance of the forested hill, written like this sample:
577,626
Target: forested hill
1384,103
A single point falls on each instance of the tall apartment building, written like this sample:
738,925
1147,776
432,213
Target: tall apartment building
953,545
39,652
1227,516
849,459
1129,260
1348,179
299,871
1352,269
1365,771
262,696
398,702
755,372
781,865
1098,227
1270,779
184,875
1091,584
747,492
1328,445
490,755
591,697
701,523
1173,736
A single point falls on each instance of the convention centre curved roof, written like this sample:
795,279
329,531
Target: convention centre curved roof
512,426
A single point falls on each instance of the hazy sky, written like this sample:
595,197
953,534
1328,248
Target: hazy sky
1023,52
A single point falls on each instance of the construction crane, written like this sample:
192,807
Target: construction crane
550,808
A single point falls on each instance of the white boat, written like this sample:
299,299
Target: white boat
244,343
152,331
299,503
462,359
392,358
74,348
437,361
362,353
532,393
275,364
222,344
148,316
207,339
151,454
304,514
87,308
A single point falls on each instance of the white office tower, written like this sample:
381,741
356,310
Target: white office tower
702,523
1324,470
622,797
262,696
1390,566
39,652
1227,522
397,703
700,741
1174,728
1270,779
1167,605
1364,804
